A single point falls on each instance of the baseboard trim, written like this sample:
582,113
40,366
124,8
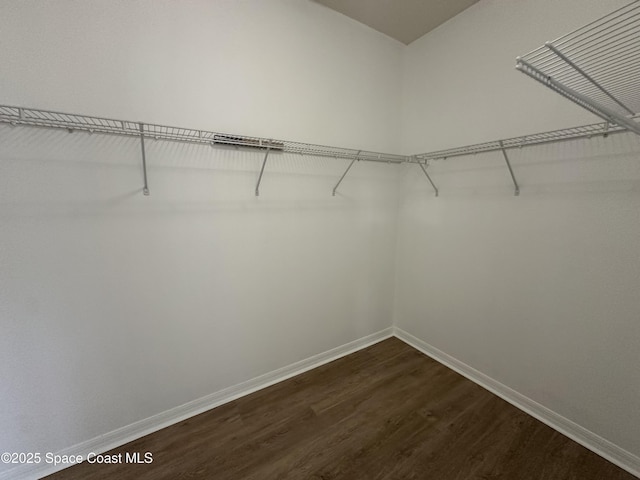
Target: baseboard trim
586,438
121,436
152,424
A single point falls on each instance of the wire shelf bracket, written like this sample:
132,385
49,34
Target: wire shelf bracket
513,177
335,189
424,169
596,66
264,162
145,188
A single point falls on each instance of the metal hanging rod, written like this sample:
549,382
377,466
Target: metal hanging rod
596,66
69,121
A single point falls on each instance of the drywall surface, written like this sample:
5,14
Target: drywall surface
286,69
115,306
540,291
460,85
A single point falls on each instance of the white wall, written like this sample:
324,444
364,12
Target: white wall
540,292
288,69
115,306
460,84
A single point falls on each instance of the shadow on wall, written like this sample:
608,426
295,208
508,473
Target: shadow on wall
99,173
50,172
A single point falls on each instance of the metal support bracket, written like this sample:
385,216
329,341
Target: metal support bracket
424,169
264,162
513,177
145,188
344,175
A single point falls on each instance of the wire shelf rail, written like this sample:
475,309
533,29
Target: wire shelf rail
72,122
69,121
585,131
596,66
603,129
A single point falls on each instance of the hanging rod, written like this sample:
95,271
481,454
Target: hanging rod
70,121
596,66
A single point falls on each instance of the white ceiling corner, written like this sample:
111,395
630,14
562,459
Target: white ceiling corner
404,20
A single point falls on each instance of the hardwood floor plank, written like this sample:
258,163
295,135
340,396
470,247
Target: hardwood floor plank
385,412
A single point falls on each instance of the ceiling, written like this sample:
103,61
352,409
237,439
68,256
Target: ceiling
404,20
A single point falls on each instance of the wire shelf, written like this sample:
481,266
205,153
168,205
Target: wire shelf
574,133
69,121
597,66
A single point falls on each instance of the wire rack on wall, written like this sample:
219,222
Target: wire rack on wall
72,122
603,129
596,66
85,123
584,131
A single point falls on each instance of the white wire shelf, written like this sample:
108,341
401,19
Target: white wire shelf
596,66
574,133
70,121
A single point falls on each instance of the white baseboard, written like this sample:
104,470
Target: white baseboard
586,438
121,436
152,424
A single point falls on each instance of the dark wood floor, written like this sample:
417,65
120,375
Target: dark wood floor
385,412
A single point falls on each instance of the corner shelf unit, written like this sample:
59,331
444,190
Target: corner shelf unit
19,116
596,66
